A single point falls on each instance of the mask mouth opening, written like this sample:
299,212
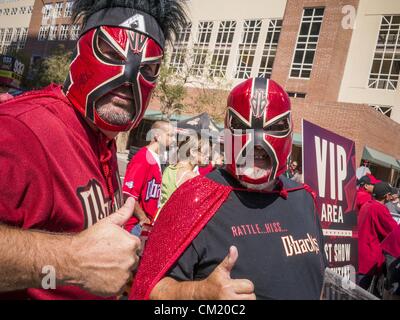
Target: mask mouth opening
117,106
257,164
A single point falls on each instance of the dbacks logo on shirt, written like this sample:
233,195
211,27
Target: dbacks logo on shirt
95,205
153,190
302,246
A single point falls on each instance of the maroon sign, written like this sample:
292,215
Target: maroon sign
330,170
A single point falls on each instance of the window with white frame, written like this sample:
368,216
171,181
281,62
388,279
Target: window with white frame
43,33
14,11
30,9
200,48
8,37
247,48
75,30
219,61
385,110
307,42
58,9
270,48
7,11
179,50
64,30
68,9
47,9
22,10
53,32
385,69
16,34
22,38
1,12
2,34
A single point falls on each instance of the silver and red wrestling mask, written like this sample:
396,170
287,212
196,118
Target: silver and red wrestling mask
259,136
115,68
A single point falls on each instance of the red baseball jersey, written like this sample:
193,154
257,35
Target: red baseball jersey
143,182
50,172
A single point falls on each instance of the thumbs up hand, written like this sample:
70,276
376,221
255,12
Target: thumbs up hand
103,256
220,286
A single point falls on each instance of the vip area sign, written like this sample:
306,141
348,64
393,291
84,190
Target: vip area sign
330,170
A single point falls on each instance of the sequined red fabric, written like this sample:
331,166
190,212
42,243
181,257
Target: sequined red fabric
181,219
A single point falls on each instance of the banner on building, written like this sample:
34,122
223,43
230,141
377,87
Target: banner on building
330,170
11,71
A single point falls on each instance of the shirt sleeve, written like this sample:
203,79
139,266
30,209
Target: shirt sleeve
184,269
135,177
384,223
26,197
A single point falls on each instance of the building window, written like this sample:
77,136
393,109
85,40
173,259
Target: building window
47,11
1,12
200,48
179,50
8,38
219,61
76,28
14,11
53,32
307,43
58,9
6,11
22,10
64,32
68,9
386,65
16,34
298,95
270,48
385,110
43,33
247,48
22,39
30,9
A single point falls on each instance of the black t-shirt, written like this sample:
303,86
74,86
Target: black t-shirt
279,241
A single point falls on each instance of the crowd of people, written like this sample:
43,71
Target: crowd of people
378,209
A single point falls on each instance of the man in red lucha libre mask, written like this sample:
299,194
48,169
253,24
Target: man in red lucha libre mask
58,167
244,231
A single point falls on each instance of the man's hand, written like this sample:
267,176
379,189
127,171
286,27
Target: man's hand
144,221
220,286
105,255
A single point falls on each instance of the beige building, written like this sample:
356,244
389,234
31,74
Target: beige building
15,16
373,63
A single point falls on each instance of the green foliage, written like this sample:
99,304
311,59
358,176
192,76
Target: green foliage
53,69
170,91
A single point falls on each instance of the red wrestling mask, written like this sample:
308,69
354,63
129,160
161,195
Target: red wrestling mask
259,140
114,71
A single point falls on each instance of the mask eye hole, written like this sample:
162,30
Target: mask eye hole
280,127
108,50
237,126
150,70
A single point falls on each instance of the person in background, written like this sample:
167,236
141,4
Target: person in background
394,206
192,152
216,161
391,249
375,223
365,188
143,175
298,176
292,170
363,170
